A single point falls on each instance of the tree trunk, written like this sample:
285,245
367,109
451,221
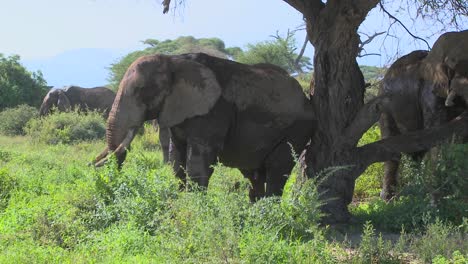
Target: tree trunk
338,96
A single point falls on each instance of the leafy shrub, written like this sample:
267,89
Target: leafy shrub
7,183
370,182
67,127
442,174
441,239
457,258
373,249
13,120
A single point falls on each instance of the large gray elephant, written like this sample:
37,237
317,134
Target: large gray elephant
424,88
246,116
75,97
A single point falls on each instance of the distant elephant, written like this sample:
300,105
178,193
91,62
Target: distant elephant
243,115
74,97
423,87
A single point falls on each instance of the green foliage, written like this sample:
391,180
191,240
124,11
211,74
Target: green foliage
442,241
306,82
55,209
186,44
66,127
440,175
372,73
372,76
373,249
18,85
369,183
7,184
457,258
280,51
13,120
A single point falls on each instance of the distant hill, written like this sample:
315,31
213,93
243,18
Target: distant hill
83,67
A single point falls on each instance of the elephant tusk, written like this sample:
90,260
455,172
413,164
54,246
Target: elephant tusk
103,157
450,98
126,142
103,154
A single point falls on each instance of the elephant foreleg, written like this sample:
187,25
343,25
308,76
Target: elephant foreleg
200,159
278,166
164,140
257,180
177,157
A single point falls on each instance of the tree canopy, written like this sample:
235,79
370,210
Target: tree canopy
280,51
18,85
185,44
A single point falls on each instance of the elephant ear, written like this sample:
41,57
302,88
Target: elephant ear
193,91
63,102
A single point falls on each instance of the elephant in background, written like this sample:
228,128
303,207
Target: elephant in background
248,117
75,97
427,88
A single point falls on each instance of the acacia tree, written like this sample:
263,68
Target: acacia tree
338,99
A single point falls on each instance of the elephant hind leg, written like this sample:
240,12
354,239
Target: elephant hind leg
178,157
389,128
278,166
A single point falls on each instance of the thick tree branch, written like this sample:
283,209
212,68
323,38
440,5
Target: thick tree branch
309,8
389,148
364,119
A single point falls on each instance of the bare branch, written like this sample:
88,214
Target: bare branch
367,41
301,53
166,4
403,25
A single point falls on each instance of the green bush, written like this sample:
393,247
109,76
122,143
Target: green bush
67,127
13,120
370,182
441,175
441,239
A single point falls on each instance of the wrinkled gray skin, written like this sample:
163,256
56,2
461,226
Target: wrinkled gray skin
243,115
74,97
427,89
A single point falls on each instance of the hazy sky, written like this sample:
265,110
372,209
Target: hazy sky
42,30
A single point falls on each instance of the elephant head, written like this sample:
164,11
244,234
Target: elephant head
56,98
167,88
446,66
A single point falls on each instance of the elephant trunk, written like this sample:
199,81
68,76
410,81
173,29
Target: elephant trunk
124,120
44,110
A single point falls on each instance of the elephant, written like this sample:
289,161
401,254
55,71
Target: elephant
426,88
75,97
246,116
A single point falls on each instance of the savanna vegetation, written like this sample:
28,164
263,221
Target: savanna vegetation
56,209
